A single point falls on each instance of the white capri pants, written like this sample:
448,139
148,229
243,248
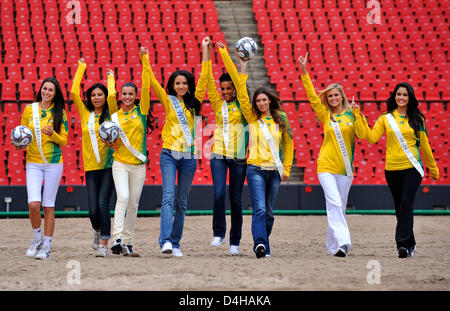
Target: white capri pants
51,175
129,180
336,188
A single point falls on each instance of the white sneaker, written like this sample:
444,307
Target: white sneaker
96,241
102,251
177,252
167,248
234,249
217,241
34,247
44,253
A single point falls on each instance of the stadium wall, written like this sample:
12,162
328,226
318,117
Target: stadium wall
290,198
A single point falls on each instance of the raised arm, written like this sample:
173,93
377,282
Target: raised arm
229,65
313,98
112,95
360,128
75,91
200,88
374,134
144,103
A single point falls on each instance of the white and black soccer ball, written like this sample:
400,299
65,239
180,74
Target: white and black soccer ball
108,131
246,48
21,136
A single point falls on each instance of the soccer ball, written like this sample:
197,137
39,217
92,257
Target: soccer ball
108,131
21,136
246,48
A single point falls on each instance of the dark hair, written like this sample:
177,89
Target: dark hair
150,118
275,107
58,102
190,102
225,77
88,102
415,118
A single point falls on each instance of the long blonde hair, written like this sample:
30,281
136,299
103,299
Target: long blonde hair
324,98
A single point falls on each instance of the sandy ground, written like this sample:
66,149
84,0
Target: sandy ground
299,259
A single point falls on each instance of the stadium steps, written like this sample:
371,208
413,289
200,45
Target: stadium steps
236,19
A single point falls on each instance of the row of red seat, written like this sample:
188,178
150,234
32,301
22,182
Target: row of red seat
307,134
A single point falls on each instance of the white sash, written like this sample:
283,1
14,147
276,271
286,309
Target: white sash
37,129
225,124
182,120
401,140
273,148
93,136
125,140
341,143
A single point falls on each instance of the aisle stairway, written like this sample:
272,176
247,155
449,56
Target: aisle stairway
236,19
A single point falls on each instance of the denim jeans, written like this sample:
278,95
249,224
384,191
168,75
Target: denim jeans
219,169
100,186
403,185
263,185
175,201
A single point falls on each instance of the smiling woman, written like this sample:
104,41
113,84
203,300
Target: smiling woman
406,133
130,155
229,154
47,119
97,157
271,141
182,102
341,124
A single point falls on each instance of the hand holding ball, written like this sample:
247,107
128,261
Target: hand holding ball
246,48
108,132
21,136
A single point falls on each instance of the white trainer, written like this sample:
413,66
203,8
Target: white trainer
44,253
177,252
217,241
167,248
234,250
96,240
102,251
34,247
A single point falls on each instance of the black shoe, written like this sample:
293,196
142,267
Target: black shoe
260,251
403,252
116,248
128,250
341,252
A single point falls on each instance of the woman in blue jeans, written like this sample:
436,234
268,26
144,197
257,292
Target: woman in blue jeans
229,152
271,141
182,103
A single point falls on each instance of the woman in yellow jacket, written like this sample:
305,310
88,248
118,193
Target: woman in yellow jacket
270,141
130,155
341,123
47,119
229,153
182,102
405,130
97,156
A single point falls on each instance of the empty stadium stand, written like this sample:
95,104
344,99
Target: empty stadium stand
39,39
